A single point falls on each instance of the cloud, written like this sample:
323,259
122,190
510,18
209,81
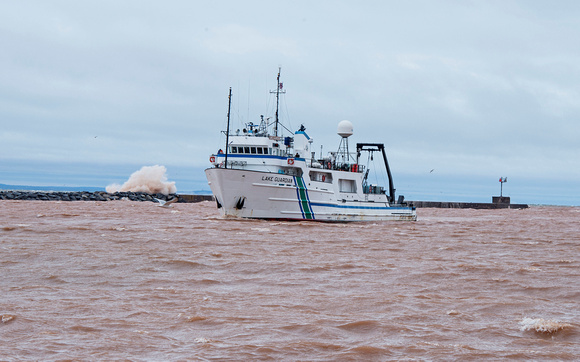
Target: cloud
471,86
238,40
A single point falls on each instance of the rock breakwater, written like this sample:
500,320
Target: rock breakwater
84,196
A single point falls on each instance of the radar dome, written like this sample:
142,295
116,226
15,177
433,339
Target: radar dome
344,129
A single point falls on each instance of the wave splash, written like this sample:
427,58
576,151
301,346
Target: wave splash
542,325
149,179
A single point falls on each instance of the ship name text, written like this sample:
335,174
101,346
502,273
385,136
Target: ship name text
277,179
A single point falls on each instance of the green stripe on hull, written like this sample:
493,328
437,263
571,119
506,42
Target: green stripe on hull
303,199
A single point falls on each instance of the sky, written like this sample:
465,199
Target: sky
460,92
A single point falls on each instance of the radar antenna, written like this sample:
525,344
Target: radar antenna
345,130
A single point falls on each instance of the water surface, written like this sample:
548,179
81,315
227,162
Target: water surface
129,280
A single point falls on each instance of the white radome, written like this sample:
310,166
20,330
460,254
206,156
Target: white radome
345,129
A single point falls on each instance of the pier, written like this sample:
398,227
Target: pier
497,202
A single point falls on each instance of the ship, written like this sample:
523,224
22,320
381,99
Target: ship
264,173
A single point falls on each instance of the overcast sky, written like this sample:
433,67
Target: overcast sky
461,92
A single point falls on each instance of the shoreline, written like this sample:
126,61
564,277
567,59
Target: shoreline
143,196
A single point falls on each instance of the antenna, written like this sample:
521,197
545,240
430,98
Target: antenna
278,90
228,129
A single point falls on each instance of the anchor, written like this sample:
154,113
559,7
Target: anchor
240,203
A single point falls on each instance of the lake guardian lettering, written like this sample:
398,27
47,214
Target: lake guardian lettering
277,179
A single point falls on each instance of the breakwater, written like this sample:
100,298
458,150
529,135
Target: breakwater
466,205
95,196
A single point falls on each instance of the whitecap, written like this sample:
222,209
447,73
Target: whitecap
5,318
542,325
531,268
260,229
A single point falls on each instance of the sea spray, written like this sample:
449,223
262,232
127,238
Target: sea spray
149,179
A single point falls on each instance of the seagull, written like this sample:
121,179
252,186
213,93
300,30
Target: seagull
166,204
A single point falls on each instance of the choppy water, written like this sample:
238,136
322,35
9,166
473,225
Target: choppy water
129,280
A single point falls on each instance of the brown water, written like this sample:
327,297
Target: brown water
129,280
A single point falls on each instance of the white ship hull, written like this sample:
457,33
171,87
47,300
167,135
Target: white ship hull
266,195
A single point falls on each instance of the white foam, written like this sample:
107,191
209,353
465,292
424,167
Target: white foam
149,179
542,325
5,318
260,229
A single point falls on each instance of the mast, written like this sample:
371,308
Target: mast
228,128
278,90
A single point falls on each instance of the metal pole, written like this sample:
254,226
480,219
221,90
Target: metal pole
277,101
228,129
391,186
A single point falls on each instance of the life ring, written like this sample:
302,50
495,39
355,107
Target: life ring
290,161
323,178
212,159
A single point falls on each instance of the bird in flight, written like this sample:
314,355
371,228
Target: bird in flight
163,203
